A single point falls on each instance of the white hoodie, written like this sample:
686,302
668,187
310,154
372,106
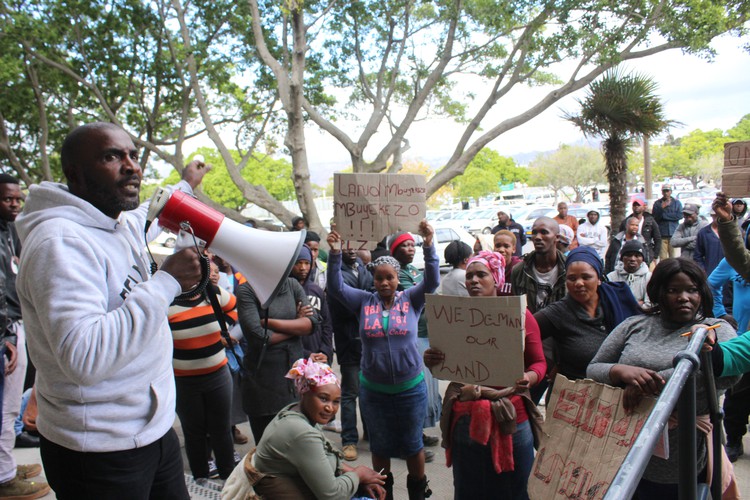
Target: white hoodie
593,235
96,325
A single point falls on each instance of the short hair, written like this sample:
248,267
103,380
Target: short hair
505,232
312,236
456,252
663,274
627,221
551,223
8,179
72,142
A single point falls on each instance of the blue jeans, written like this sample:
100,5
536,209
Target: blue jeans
24,403
349,393
474,475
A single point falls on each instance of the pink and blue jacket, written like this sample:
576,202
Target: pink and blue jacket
390,357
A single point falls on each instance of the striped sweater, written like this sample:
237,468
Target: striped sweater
197,336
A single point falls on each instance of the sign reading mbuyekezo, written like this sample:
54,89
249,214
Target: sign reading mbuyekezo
368,207
482,338
735,178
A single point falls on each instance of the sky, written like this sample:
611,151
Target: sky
696,92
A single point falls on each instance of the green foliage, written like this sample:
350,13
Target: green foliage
275,175
578,167
486,172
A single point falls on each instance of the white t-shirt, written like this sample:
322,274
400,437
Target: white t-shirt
545,283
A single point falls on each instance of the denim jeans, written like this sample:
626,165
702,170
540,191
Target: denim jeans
394,421
349,393
474,475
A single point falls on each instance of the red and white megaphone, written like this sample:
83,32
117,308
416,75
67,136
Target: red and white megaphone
265,258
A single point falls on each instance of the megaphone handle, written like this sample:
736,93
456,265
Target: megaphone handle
200,288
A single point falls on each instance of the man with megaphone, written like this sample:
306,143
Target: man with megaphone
97,327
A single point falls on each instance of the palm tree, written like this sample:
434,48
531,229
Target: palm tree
621,109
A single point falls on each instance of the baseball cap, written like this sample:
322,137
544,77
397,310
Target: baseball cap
738,200
566,234
691,208
632,246
639,202
666,187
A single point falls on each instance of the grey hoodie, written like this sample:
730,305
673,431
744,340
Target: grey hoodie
96,323
636,281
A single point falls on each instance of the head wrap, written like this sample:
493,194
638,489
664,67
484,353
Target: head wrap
397,239
495,263
312,236
385,259
587,255
616,299
308,374
304,253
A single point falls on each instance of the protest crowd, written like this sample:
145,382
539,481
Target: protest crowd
103,352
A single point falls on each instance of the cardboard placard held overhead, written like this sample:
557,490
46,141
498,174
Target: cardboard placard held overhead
735,178
585,439
482,338
368,207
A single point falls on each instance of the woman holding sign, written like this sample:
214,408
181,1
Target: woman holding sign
638,355
392,392
487,431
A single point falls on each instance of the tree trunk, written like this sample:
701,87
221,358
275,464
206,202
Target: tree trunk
615,157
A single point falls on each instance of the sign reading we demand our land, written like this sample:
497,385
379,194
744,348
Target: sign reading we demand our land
368,207
482,338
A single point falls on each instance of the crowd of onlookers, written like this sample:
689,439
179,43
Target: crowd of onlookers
613,309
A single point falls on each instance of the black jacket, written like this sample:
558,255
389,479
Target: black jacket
346,324
650,232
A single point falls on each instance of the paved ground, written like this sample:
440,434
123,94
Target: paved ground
440,477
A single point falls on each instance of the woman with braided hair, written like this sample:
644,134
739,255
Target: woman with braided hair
392,392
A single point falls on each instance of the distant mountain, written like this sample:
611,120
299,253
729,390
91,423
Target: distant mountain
322,172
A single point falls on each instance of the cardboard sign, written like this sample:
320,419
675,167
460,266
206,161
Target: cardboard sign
586,438
735,179
482,338
368,207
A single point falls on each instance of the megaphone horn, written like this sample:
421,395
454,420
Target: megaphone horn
265,258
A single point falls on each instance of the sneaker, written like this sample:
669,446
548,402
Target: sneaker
213,470
333,426
238,436
350,452
28,471
19,489
734,449
430,440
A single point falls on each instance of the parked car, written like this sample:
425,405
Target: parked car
528,220
444,235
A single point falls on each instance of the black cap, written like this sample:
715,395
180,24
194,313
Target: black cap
632,246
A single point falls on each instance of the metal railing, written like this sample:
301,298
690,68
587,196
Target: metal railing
678,392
